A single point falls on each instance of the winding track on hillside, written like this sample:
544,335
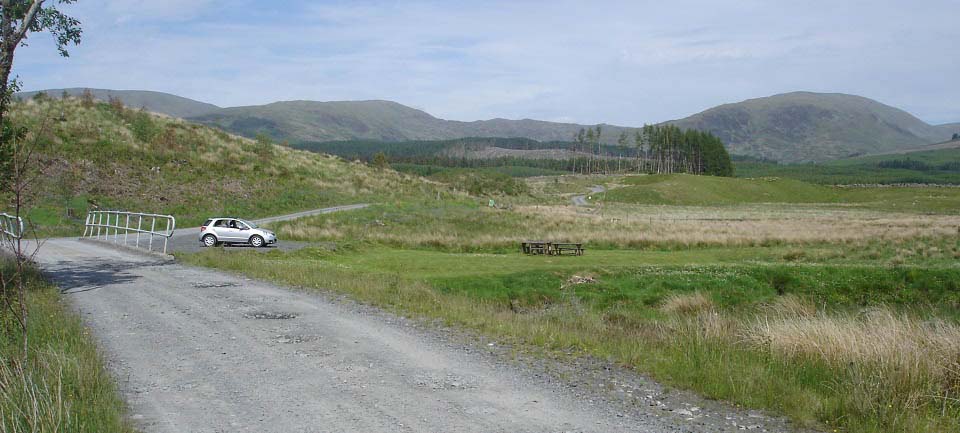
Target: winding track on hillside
200,350
581,200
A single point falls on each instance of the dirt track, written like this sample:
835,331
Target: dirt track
581,200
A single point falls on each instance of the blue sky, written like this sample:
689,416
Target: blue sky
619,62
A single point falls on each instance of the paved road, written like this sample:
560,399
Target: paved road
186,240
197,350
581,200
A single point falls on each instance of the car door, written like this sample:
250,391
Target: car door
243,232
227,232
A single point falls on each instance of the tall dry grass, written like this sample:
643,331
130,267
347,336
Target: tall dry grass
29,403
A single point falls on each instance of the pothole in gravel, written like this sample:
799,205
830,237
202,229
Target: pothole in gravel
296,339
212,285
269,315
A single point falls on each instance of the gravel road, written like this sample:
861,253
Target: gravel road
581,200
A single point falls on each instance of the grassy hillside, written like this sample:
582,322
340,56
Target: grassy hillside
120,158
805,126
686,190
940,166
157,102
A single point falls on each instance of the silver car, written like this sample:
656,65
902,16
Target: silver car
219,231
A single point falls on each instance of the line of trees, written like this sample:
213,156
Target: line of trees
660,149
669,149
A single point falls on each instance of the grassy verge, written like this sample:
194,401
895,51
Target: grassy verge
63,387
862,347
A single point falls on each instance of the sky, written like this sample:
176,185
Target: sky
615,62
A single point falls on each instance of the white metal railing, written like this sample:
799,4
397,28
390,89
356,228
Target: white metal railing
11,226
104,224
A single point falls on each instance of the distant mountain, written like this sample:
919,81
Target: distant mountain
950,128
791,127
376,120
157,102
805,126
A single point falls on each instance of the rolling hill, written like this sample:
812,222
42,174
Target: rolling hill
313,121
950,128
791,127
804,126
157,102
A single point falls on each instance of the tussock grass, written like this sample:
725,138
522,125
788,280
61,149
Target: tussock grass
687,303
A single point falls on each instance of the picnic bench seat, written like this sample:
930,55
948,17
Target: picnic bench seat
574,248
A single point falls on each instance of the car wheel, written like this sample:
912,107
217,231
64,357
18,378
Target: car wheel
209,241
256,241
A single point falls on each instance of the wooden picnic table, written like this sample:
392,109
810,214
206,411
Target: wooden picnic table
574,248
535,247
551,248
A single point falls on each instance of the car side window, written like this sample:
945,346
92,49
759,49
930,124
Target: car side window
242,226
220,223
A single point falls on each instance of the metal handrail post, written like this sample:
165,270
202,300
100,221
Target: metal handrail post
153,229
126,230
165,239
139,224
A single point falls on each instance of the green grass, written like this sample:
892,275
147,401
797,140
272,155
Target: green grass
687,190
862,170
63,386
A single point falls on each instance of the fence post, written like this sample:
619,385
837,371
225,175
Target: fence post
139,224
